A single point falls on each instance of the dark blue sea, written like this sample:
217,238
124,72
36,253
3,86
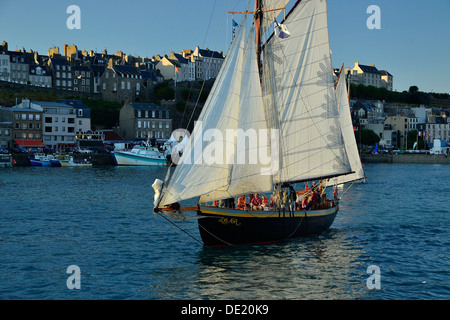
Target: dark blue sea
390,241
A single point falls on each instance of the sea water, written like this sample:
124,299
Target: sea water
389,241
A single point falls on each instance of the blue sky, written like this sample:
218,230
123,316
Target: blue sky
412,43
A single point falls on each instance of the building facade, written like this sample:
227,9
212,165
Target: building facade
144,120
5,66
62,73
82,115
120,82
40,76
6,126
207,63
27,125
58,124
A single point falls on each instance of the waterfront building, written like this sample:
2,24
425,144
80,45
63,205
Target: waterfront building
6,126
82,114
26,124
58,124
400,124
144,120
437,127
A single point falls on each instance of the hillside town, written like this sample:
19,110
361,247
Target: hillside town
61,125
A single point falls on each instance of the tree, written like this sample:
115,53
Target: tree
367,137
413,137
164,92
413,89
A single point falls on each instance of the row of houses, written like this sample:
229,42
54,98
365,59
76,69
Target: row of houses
368,75
114,76
57,125
393,122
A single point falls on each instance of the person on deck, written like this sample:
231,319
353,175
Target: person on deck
242,202
256,202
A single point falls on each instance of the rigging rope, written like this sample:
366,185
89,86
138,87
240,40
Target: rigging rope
180,228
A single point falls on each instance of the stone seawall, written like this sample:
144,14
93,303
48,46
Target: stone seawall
406,158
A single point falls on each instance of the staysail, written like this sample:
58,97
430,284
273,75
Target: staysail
217,163
292,111
349,135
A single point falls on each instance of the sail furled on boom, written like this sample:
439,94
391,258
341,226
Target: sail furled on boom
298,82
216,164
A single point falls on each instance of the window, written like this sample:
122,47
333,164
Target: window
139,124
80,112
24,116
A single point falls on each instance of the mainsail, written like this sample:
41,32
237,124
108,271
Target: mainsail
295,99
298,83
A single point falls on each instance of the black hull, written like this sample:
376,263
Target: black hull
226,229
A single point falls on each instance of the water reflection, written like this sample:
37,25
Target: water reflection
322,267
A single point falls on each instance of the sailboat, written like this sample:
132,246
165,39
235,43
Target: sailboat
271,122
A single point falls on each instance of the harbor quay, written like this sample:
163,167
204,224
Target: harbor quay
106,158
406,158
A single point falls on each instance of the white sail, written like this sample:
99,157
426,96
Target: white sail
298,82
215,164
272,8
299,105
349,136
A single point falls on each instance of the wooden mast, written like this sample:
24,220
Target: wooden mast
258,14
